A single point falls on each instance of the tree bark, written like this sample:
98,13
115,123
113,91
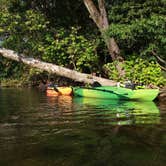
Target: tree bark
52,68
99,16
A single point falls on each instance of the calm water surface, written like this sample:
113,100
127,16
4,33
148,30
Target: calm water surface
36,130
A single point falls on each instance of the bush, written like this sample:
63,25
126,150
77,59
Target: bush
138,70
69,49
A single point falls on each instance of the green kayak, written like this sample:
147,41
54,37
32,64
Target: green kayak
118,93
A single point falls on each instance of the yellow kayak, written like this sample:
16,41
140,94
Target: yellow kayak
51,91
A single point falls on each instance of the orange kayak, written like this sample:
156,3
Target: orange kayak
59,91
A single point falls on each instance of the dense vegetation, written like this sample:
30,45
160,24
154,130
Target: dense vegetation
62,33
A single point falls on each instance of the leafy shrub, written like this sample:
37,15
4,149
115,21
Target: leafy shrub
138,70
139,27
67,48
29,32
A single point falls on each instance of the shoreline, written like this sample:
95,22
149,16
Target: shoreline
14,83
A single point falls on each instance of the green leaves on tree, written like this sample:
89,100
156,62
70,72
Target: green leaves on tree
138,70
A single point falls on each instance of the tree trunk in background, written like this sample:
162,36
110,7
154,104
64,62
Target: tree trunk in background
99,16
52,68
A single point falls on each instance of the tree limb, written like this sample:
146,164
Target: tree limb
101,20
52,68
159,58
162,67
94,13
103,14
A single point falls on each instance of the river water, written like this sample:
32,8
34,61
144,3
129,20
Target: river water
36,130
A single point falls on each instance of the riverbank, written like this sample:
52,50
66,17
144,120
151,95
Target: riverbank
38,81
14,83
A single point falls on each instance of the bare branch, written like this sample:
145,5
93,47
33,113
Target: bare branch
162,67
159,58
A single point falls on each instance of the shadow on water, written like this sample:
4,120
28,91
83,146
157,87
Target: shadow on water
37,130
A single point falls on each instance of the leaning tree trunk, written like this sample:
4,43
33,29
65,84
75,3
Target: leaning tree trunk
52,68
99,16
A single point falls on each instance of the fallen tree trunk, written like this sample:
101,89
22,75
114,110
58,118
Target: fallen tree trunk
52,68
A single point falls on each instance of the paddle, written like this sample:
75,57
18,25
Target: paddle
55,88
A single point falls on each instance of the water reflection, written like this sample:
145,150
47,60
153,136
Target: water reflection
40,130
103,112
16,107
63,103
120,112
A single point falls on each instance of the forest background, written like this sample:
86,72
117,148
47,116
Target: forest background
62,33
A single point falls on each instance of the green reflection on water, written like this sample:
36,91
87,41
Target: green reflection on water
134,112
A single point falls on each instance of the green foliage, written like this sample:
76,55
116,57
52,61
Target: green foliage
34,28
69,49
138,70
11,69
23,31
28,31
139,27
